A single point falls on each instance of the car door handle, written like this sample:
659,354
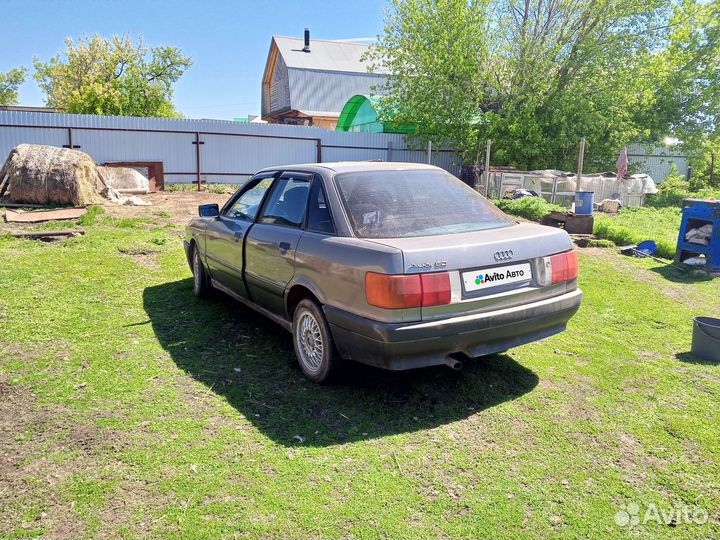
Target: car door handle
284,247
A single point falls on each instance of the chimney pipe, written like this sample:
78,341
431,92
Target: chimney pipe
306,48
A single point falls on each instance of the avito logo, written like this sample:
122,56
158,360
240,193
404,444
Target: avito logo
495,276
481,279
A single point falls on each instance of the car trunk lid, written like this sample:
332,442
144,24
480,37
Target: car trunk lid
489,269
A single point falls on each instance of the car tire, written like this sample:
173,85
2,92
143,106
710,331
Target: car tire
314,345
201,281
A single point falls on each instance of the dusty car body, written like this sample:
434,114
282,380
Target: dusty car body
394,265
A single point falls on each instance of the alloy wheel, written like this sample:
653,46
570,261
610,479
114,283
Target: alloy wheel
310,342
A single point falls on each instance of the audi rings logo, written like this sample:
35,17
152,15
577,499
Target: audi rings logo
504,255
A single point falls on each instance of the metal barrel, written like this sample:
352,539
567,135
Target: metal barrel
706,338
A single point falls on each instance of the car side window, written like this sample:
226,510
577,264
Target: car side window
248,204
319,218
288,200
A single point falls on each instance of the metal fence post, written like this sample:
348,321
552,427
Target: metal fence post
429,152
70,143
486,172
389,151
197,142
581,160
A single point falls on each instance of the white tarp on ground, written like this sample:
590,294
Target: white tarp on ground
124,179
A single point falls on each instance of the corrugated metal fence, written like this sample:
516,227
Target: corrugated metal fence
657,161
228,152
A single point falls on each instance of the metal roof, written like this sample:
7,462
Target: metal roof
325,55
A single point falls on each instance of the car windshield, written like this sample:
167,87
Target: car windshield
421,202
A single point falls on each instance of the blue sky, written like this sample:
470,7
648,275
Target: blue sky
227,40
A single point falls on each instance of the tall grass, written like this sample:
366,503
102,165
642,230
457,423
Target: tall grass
673,191
534,208
633,225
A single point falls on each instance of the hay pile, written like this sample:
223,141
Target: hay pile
49,175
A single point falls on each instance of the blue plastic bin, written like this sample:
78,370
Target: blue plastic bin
697,213
584,202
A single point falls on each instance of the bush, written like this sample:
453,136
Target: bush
671,192
533,208
674,190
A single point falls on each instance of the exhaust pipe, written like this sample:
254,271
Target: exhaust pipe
453,363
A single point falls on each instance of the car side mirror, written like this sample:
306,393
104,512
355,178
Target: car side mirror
208,210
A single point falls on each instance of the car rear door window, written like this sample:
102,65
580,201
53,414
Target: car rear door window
288,201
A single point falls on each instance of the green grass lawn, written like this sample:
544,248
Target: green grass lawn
128,408
633,225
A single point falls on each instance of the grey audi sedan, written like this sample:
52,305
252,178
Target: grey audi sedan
396,265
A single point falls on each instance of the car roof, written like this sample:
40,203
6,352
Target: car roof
352,166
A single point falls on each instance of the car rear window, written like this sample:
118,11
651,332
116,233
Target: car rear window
395,204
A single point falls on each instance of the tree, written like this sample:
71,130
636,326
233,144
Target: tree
686,85
537,75
9,84
112,77
437,50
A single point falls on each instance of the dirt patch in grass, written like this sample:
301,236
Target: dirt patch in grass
6,389
27,477
16,351
145,257
44,451
636,464
168,207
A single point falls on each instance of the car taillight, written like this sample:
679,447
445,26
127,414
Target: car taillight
392,292
435,288
407,291
564,266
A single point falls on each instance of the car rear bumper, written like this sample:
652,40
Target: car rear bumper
420,344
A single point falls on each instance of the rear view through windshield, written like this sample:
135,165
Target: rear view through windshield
395,204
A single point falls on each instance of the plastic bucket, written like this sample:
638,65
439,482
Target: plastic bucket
706,339
584,202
